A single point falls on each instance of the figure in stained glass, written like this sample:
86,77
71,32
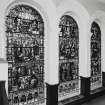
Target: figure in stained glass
25,55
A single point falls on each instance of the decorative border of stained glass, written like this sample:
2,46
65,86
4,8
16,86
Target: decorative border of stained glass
25,56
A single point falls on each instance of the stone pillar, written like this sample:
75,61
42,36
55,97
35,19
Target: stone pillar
52,94
103,79
85,86
52,72
3,95
103,50
85,62
4,72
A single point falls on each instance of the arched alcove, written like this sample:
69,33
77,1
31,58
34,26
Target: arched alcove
96,70
68,57
25,33
73,11
97,18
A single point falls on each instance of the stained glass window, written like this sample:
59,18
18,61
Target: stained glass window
96,75
25,55
68,57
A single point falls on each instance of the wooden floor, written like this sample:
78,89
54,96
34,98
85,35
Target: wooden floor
98,101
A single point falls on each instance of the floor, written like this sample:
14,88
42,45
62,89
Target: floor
97,101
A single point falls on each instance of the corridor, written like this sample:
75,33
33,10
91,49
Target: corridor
98,101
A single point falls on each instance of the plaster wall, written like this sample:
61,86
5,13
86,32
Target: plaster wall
51,11
47,10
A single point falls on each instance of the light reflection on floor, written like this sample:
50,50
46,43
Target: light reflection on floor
98,101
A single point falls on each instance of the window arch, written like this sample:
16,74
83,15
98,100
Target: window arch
68,57
25,55
96,73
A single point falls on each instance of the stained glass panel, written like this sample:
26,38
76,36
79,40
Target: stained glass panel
96,75
25,55
68,57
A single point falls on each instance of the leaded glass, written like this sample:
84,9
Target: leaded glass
96,75
68,57
25,55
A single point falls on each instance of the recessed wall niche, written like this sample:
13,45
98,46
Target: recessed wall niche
68,57
25,55
96,72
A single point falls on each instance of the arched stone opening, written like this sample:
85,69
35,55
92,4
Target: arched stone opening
99,30
96,70
25,50
68,57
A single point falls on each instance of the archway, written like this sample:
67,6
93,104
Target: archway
25,55
96,72
68,57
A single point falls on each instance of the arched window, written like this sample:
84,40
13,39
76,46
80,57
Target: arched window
68,57
25,55
96,74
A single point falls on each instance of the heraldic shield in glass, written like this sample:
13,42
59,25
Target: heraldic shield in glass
25,56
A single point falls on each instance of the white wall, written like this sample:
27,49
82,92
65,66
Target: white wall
80,14
51,11
47,11
3,63
98,16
